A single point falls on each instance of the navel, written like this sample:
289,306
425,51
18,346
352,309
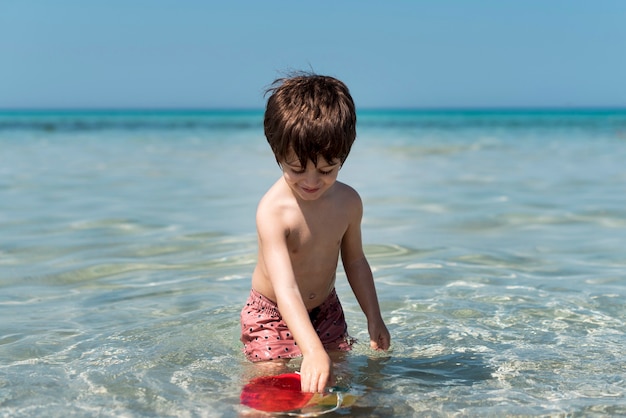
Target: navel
311,295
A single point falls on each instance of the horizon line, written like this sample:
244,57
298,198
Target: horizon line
159,109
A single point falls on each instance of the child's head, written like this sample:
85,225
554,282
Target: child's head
310,115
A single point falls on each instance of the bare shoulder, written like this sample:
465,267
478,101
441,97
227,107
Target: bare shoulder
345,191
278,210
273,204
349,196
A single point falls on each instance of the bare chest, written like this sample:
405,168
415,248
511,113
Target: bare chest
316,234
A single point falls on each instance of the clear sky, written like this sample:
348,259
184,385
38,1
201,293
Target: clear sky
222,54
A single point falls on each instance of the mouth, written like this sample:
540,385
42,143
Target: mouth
308,190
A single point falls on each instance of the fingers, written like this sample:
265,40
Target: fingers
321,383
384,342
380,343
315,372
375,345
380,339
313,382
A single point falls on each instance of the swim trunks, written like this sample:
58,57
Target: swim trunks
265,335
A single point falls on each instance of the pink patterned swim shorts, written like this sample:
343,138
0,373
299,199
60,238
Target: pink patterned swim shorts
265,335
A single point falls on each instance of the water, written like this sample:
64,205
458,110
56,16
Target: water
498,241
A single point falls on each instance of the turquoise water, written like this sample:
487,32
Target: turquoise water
498,242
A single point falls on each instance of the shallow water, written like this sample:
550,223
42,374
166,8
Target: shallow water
498,242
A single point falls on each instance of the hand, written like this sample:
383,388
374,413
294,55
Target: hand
380,339
316,372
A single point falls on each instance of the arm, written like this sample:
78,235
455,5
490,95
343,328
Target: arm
316,365
361,280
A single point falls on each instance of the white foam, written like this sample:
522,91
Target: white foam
424,266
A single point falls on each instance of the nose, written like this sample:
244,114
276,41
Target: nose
311,177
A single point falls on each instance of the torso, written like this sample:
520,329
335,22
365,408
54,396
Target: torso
314,232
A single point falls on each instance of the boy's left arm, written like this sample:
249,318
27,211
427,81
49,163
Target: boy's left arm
361,281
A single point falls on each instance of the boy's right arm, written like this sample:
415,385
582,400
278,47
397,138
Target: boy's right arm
315,370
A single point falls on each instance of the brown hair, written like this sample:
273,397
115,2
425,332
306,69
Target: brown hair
312,114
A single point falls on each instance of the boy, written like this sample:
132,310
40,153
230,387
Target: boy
304,222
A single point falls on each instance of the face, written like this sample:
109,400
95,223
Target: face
310,182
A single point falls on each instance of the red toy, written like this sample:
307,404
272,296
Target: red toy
275,393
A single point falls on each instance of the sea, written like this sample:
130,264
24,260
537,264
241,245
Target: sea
497,238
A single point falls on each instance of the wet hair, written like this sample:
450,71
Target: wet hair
313,115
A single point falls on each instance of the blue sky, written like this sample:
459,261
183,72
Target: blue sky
222,54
